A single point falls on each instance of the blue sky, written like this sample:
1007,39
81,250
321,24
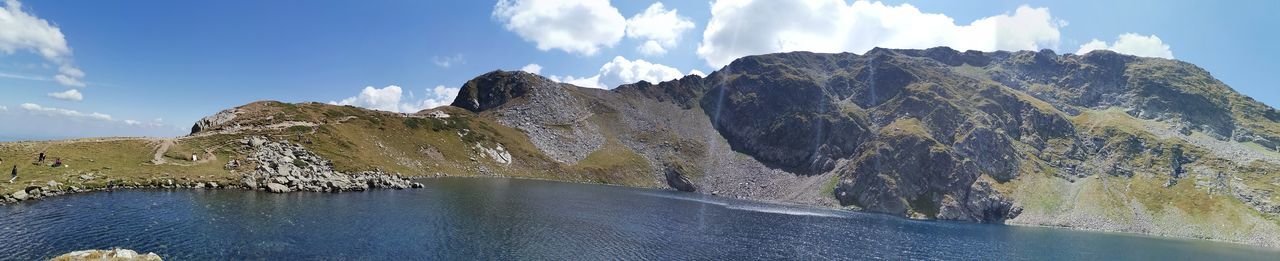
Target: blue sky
151,68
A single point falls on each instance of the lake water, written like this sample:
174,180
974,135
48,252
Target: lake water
464,218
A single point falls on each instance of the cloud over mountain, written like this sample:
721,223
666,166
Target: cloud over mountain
736,28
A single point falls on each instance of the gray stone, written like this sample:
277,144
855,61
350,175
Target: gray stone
277,188
20,195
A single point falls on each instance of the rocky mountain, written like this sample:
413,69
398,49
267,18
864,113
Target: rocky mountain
1099,141
1102,140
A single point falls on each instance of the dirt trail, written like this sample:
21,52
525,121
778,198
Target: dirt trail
158,158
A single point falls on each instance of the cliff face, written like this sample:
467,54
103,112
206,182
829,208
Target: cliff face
1097,141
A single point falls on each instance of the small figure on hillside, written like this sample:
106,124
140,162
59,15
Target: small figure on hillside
41,158
57,162
14,173
194,158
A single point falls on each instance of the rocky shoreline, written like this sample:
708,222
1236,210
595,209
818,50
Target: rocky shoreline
281,167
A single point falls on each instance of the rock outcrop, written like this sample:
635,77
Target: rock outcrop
112,255
281,167
215,121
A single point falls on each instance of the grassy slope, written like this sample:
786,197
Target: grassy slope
108,160
412,146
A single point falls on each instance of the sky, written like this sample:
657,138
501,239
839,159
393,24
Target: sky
72,69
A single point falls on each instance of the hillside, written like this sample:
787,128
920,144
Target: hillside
1099,141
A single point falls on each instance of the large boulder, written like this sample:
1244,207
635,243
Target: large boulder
278,188
20,195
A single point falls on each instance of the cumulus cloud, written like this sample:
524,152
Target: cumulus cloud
438,96
697,72
386,99
573,26
22,31
532,68
3,108
50,111
392,99
736,29
622,71
448,61
69,95
659,28
1132,44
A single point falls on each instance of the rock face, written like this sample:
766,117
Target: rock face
282,167
788,117
215,120
113,254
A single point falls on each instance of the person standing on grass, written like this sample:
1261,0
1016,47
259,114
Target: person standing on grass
14,173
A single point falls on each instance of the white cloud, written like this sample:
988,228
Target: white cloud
22,76
589,82
39,122
50,111
448,61
532,68
697,72
386,99
736,29
1132,44
65,80
69,95
22,31
622,71
660,29
651,48
440,96
573,26
391,99
3,108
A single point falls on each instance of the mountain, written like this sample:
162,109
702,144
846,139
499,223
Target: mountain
1100,141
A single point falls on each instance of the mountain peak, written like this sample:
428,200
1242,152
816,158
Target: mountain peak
498,87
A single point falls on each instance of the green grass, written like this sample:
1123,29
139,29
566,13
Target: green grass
829,187
118,160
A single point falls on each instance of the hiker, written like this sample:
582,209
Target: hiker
57,162
41,158
14,173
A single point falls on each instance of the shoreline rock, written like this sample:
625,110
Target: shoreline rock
113,254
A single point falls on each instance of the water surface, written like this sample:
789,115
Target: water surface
464,218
